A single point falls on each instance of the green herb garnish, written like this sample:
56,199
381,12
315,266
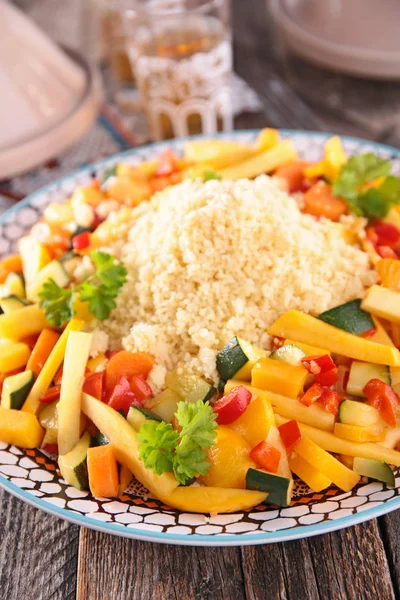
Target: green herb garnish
100,290
164,450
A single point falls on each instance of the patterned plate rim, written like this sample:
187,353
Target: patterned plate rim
264,537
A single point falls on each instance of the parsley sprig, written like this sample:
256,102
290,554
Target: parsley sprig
100,291
355,174
165,450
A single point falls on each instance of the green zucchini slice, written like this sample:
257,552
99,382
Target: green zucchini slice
289,353
73,465
16,389
352,412
349,317
55,270
374,469
138,415
279,488
11,303
99,440
234,356
361,373
15,284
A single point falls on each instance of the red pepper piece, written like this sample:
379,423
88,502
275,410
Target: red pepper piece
331,401
372,236
93,385
122,397
230,407
388,235
266,456
328,378
313,394
140,387
53,393
111,353
167,164
368,333
81,241
290,434
53,448
343,378
382,397
318,364
386,252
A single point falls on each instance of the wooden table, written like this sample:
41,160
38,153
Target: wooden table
43,558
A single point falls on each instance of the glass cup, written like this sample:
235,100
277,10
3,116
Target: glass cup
181,54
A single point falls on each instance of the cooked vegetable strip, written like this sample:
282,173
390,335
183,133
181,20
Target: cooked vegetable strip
330,442
305,328
123,439
316,480
20,429
102,472
383,303
21,323
50,368
125,477
69,406
217,154
42,349
13,355
212,499
265,162
254,424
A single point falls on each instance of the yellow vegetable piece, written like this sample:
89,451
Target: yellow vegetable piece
126,446
360,434
213,500
89,194
52,364
128,190
58,214
315,480
393,216
13,355
332,443
97,362
334,158
82,310
307,329
217,154
347,460
267,138
340,475
383,303
69,407
277,376
264,162
314,171
125,477
145,170
34,256
23,322
244,373
389,272
309,350
229,460
20,429
254,424
380,336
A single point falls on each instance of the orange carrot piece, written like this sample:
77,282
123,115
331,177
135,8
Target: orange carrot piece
8,265
40,353
127,364
293,172
320,202
102,471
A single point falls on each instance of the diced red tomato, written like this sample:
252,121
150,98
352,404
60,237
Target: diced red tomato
320,201
122,397
313,394
290,434
93,385
53,448
382,397
167,163
140,387
293,173
127,364
328,378
331,401
318,364
387,234
230,407
81,241
97,220
53,393
266,456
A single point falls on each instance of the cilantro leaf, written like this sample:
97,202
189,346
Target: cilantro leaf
197,420
110,274
101,299
373,203
366,167
190,460
158,442
57,303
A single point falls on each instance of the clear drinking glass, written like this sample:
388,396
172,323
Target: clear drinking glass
181,54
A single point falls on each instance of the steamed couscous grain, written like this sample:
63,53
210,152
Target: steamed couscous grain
207,261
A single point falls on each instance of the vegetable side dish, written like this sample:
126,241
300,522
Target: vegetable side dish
209,330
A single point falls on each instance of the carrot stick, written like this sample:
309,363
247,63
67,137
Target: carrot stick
103,472
8,265
41,351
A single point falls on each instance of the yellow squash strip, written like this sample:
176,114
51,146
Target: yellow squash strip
217,154
69,406
326,464
213,499
13,355
126,446
254,424
389,272
330,442
34,257
277,376
309,350
265,162
381,336
355,433
20,429
50,368
23,322
267,138
125,477
304,328
383,303
315,480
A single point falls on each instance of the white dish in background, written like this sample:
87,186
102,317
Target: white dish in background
357,37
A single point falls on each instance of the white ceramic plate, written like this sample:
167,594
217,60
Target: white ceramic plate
33,477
